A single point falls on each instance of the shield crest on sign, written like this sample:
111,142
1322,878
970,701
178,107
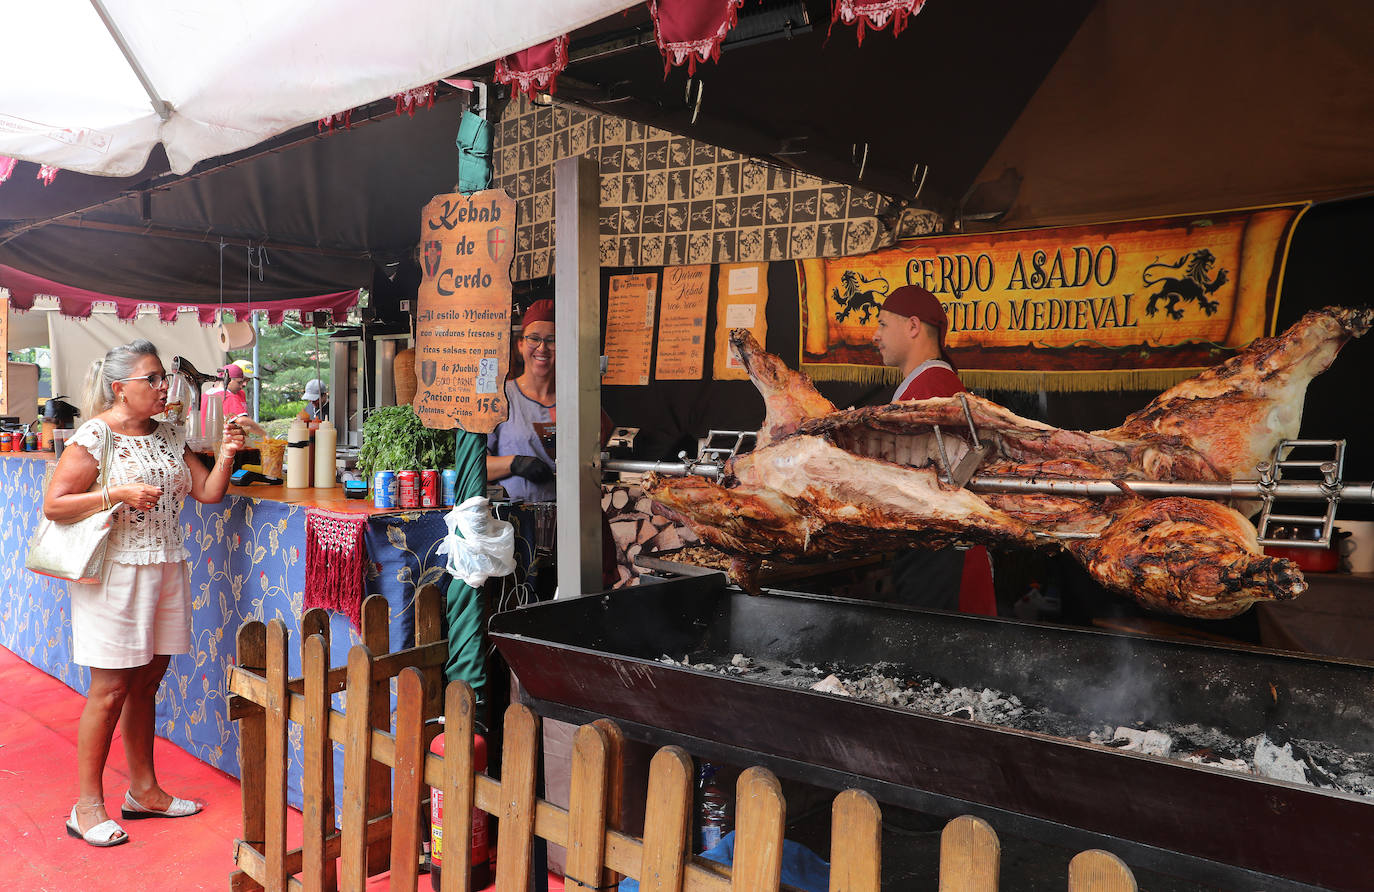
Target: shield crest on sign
498,243
434,253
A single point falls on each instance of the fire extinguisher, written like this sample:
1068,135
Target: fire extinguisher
481,854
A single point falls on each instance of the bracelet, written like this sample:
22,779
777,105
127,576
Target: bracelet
105,496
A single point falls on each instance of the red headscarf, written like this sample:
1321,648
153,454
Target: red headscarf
539,311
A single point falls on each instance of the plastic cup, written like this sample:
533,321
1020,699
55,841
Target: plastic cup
273,453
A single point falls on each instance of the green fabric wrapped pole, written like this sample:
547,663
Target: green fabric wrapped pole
466,647
466,643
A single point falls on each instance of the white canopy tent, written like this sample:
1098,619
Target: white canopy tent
93,85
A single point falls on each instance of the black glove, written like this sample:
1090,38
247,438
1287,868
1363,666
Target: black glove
531,468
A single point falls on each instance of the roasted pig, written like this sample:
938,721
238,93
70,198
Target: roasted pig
824,483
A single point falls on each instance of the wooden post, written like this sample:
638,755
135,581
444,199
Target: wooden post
519,766
1099,871
577,318
760,814
277,756
409,779
252,656
615,787
315,623
856,843
429,628
318,762
587,807
460,708
357,765
970,856
667,821
377,637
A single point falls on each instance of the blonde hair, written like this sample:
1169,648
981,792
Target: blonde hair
117,364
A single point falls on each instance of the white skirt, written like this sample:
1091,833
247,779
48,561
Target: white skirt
135,613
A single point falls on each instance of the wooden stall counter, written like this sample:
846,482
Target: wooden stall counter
329,498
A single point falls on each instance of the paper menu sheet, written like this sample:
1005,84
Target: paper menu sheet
630,328
741,300
682,323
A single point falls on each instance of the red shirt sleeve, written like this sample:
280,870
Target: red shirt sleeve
931,383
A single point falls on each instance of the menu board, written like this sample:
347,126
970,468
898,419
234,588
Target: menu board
741,297
462,321
630,328
682,323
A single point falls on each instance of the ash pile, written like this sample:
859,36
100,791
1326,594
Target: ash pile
1275,752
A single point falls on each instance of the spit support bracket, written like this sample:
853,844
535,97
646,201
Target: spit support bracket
1297,530
716,449
960,474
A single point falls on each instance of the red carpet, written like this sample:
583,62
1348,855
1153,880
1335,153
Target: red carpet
38,717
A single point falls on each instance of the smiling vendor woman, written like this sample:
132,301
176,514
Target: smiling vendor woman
516,455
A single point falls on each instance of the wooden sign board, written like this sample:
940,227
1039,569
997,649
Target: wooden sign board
463,313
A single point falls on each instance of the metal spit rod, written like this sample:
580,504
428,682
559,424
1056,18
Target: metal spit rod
1313,491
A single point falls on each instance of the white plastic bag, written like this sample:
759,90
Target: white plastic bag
478,545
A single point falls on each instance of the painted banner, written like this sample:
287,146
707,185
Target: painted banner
463,324
630,328
741,296
682,323
1132,305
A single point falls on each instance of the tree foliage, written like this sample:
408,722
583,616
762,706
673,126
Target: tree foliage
288,357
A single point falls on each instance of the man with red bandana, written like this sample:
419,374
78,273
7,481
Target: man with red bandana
911,336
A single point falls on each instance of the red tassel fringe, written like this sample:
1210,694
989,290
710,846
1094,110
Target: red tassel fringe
335,557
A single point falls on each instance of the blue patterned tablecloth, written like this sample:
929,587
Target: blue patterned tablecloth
247,563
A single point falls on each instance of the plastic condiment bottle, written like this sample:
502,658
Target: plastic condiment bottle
298,455
326,438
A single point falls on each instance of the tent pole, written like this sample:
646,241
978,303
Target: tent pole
577,320
257,375
164,111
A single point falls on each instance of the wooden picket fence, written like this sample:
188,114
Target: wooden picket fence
381,825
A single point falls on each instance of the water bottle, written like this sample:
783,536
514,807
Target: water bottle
713,809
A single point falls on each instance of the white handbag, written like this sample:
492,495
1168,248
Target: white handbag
74,551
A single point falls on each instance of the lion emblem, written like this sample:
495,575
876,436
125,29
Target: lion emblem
1193,285
860,295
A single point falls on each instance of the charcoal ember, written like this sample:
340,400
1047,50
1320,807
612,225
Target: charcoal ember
832,685
1278,762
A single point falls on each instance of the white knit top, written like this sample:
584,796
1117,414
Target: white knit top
157,459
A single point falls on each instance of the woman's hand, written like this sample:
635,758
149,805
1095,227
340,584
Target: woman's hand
139,496
231,441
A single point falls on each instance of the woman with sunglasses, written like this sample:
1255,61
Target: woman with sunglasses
126,627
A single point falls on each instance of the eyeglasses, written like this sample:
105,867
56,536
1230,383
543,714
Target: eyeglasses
155,380
537,342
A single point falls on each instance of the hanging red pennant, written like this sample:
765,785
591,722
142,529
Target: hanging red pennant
875,14
691,31
47,173
407,101
343,119
536,69
6,167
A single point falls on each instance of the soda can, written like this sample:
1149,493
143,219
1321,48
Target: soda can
448,487
384,489
429,489
408,489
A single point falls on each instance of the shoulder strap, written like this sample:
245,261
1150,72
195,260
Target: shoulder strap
106,447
